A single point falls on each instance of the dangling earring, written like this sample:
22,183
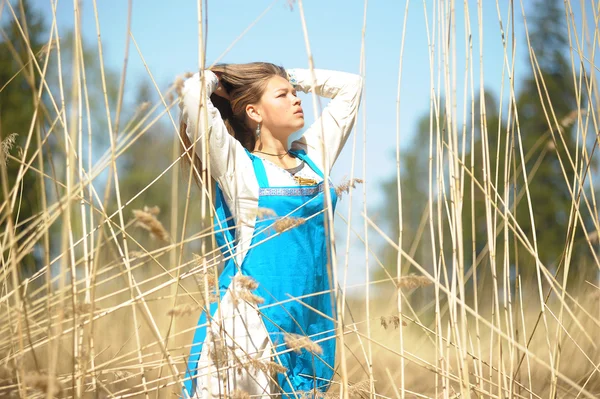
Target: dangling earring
258,130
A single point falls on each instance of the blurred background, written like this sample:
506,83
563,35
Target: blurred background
476,141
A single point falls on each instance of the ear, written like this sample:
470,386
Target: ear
253,112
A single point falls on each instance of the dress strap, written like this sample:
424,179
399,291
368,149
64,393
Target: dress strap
224,224
259,170
304,156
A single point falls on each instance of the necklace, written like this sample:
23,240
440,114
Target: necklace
274,155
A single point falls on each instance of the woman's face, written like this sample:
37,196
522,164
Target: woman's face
280,109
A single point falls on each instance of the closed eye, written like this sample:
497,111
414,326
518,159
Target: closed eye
285,92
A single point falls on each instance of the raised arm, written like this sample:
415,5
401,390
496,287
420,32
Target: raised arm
331,130
222,146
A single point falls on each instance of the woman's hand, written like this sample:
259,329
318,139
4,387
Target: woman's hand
220,90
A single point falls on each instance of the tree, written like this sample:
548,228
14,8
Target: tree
17,107
414,171
147,158
546,145
549,185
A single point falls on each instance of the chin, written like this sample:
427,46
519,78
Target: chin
294,128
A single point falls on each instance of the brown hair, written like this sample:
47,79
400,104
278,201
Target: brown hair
245,84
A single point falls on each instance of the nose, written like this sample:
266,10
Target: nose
297,101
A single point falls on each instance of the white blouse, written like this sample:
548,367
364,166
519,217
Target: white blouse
231,166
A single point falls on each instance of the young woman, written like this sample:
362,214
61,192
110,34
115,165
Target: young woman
261,181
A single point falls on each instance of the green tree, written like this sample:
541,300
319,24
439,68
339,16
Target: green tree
546,146
145,160
414,172
21,81
17,107
549,185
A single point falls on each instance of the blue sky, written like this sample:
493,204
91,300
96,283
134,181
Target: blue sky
167,34
168,39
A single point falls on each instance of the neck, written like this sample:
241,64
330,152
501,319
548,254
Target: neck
268,143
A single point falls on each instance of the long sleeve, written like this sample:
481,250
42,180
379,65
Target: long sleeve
331,130
230,165
222,146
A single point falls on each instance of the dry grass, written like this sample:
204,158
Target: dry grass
242,290
347,185
287,223
391,321
185,310
411,282
239,394
298,342
112,305
41,383
147,220
7,144
228,357
263,213
266,366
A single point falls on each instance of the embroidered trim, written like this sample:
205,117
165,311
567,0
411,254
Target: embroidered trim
292,191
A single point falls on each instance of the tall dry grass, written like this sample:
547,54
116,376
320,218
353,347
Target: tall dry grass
113,307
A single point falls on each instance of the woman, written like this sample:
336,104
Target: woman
270,226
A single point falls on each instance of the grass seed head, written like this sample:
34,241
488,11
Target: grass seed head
207,278
266,366
121,374
245,282
412,281
154,210
360,390
208,275
287,223
218,351
263,213
391,321
183,310
146,219
239,394
41,382
251,298
242,290
143,106
46,48
178,84
298,342
347,185
7,144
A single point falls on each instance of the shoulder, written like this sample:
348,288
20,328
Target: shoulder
240,183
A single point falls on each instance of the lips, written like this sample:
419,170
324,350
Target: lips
299,112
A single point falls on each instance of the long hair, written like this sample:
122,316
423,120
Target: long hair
245,84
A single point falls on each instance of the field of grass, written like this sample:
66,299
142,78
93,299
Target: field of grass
101,290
